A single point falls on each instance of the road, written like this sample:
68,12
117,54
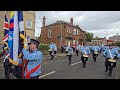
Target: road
60,69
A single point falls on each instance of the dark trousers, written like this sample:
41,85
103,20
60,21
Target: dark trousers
95,56
51,54
55,52
7,67
109,66
69,58
62,50
84,59
17,72
77,52
35,77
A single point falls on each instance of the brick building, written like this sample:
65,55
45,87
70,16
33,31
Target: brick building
62,32
115,38
99,41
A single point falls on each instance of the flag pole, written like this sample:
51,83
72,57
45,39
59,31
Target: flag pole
23,61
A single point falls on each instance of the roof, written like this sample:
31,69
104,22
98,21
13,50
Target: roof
115,36
61,22
98,38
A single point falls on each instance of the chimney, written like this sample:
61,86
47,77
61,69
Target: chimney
44,21
71,21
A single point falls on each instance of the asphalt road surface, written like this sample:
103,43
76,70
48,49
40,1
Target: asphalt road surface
60,69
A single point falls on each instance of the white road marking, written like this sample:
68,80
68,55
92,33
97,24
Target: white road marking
76,63
47,74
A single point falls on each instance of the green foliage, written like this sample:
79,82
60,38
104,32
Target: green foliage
89,36
117,43
43,47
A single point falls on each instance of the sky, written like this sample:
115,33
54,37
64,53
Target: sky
99,23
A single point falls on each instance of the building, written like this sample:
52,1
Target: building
109,41
99,41
115,38
29,23
62,32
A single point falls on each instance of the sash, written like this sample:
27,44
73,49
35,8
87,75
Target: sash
111,60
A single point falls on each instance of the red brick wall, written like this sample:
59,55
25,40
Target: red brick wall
56,30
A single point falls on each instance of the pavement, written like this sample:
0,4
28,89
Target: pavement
58,68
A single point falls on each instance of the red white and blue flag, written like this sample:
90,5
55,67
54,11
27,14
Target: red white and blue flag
6,34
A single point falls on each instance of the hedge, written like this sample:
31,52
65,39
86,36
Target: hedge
43,47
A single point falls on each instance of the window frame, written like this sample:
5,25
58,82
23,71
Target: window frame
49,33
77,32
30,27
74,31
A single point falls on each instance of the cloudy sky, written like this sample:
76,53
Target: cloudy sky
97,22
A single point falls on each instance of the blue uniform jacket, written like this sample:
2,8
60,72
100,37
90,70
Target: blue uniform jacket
85,50
95,48
69,50
109,53
34,58
52,46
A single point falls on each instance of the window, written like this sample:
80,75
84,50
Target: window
29,23
73,42
69,30
76,42
49,33
74,32
77,31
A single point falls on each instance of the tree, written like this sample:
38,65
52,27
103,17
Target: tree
117,43
89,37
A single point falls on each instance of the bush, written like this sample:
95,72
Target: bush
117,43
43,47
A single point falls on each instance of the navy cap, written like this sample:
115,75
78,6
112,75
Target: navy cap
33,41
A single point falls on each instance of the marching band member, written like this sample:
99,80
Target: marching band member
111,55
85,54
51,50
69,51
95,50
77,49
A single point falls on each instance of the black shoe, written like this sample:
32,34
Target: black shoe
83,66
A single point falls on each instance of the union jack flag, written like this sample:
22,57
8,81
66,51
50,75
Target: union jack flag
6,35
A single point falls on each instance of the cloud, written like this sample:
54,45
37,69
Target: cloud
97,22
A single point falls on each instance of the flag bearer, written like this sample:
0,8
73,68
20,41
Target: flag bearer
34,58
